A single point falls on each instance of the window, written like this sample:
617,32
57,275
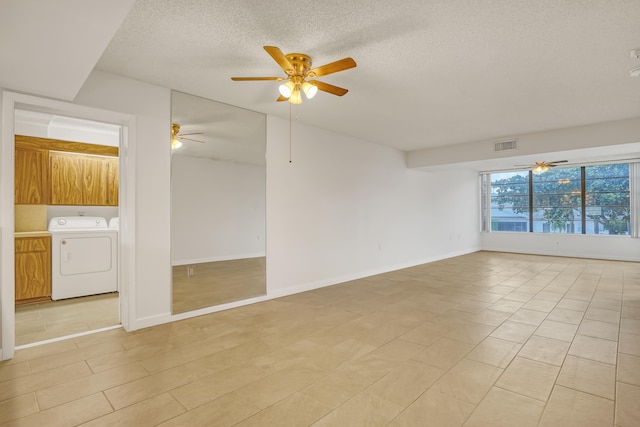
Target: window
608,201
571,200
510,201
557,201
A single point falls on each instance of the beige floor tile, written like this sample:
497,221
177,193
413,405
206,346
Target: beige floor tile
630,344
18,407
268,390
213,386
507,409
9,371
398,350
529,378
588,376
495,352
348,380
513,331
572,408
594,348
612,316
539,305
405,383
607,303
630,326
557,330
225,411
296,410
490,317
88,385
518,296
34,382
629,369
599,329
529,317
364,409
627,408
149,412
444,353
468,380
434,409
549,296
567,316
471,333
573,304
425,334
630,312
545,350
70,414
506,305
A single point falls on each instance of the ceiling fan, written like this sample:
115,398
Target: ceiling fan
297,67
177,137
539,167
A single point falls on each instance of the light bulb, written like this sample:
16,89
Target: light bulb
309,89
286,89
295,97
175,144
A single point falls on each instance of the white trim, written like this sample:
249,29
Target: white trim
66,337
180,262
127,273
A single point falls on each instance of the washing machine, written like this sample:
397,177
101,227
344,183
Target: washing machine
84,257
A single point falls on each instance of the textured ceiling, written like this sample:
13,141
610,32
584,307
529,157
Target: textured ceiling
430,73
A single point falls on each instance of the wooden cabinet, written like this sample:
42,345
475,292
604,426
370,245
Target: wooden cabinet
33,269
31,176
55,172
83,180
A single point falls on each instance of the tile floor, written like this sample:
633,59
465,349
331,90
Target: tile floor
53,319
486,339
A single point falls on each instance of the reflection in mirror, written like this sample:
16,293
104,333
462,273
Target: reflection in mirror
218,174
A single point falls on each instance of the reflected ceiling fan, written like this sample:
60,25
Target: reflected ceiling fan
539,167
300,75
177,137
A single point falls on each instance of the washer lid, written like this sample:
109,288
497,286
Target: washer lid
62,223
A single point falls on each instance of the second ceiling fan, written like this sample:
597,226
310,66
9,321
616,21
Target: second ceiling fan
300,75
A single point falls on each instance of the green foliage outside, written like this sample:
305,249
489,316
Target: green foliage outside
557,193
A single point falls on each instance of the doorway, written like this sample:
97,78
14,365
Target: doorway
13,105
66,169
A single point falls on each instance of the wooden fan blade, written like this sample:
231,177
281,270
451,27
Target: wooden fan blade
245,79
326,87
282,98
192,133
279,57
189,139
334,67
559,161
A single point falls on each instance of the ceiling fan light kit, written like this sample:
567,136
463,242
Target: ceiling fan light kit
297,67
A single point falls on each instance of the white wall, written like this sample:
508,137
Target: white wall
217,210
345,208
579,246
614,135
151,105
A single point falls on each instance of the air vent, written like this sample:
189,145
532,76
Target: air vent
506,145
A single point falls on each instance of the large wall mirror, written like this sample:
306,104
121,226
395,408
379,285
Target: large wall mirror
218,174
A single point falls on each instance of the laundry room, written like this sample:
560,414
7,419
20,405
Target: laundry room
66,226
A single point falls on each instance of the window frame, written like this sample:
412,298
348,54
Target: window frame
634,202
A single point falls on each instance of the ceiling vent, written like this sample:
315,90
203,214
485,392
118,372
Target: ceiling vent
506,145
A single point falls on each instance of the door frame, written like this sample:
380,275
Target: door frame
126,204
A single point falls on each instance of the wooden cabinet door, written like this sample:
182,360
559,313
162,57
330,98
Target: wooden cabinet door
94,181
66,178
33,268
31,177
112,181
